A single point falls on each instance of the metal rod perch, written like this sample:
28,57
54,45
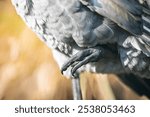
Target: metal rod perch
76,89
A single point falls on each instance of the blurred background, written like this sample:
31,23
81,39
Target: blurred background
28,70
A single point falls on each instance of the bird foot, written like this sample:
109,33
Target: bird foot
81,58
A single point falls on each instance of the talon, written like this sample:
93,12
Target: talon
67,64
75,75
82,58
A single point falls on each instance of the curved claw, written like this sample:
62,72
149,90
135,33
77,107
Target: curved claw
82,58
90,58
77,57
69,63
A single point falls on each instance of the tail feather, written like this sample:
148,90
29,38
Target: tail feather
146,29
146,26
145,37
146,22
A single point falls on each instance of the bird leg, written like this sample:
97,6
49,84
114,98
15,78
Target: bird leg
81,58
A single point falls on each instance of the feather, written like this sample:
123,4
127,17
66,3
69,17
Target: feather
70,26
115,12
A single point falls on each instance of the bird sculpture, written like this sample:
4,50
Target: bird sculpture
101,36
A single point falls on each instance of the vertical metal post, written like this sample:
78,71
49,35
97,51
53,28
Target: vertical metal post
76,89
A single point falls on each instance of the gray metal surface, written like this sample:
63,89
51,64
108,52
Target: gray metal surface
121,27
